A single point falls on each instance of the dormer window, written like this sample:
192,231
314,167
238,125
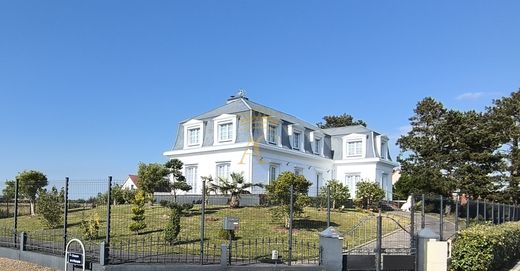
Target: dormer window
225,127
225,131
193,136
296,140
317,145
272,134
193,133
354,148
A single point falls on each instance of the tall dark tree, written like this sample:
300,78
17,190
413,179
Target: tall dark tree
505,116
448,150
30,183
339,121
8,193
174,167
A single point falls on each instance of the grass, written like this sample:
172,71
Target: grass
257,229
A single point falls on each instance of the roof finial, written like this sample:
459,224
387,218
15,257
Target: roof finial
241,93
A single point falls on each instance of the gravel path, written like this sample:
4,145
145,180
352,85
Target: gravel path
13,265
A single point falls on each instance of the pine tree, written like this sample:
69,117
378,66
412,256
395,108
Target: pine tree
138,210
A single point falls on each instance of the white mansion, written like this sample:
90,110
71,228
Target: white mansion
243,136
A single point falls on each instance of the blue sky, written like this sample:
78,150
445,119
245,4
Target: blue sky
90,88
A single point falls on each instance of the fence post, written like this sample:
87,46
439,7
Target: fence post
456,214
467,212
328,206
478,210
498,213
485,211
503,213
412,222
65,212
16,185
291,213
509,211
379,240
202,220
423,223
441,219
493,212
109,213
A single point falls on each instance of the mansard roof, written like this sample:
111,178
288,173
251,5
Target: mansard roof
354,129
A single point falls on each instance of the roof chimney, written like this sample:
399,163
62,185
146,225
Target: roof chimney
241,94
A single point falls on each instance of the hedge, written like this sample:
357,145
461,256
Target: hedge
486,247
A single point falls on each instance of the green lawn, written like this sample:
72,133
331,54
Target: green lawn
257,229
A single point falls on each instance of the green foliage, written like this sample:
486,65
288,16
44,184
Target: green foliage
174,223
8,192
224,234
369,194
91,227
486,247
339,121
49,208
404,187
234,187
30,183
279,194
339,193
447,150
138,210
153,177
120,195
174,167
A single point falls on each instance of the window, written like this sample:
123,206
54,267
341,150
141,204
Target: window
298,171
354,148
273,173
383,150
191,177
271,134
225,131
296,140
351,180
193,136
223,171
317,146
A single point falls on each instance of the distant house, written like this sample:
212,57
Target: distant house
131,182
261,142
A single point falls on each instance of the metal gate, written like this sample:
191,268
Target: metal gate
381,242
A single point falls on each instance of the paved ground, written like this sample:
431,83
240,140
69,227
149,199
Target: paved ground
12,265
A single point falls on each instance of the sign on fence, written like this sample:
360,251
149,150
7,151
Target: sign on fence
75,258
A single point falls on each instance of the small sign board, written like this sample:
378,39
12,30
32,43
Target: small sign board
75,258
231,223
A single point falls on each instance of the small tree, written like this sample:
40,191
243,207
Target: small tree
30,183
279,194
174,223
49,207
8,193
174,167
153,177
91,227
138,217
235,187
339,193
369,194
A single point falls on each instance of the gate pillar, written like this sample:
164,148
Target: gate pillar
430,251
331,249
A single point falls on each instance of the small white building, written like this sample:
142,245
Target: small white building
261,142
131,182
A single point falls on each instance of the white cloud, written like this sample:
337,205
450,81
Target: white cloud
470,95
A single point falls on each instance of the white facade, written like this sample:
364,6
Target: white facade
260,142
130,183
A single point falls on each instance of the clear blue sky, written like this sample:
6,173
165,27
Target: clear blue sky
90,88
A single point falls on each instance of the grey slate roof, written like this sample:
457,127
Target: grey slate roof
278,114
348,130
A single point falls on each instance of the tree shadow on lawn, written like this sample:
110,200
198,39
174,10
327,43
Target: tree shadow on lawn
310,224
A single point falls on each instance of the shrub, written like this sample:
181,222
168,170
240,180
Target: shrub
174,224
49,207
224,234
486,247
91,227
138,223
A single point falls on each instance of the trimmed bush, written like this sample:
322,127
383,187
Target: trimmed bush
486,247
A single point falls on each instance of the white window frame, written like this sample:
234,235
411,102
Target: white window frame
354,143
194,182
272,130
352,186
190,125
270,177
227,127
217,171
292,130
317,136
190,133
223,120
353,138
267,122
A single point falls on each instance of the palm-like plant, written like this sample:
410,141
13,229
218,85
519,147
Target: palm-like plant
235,187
